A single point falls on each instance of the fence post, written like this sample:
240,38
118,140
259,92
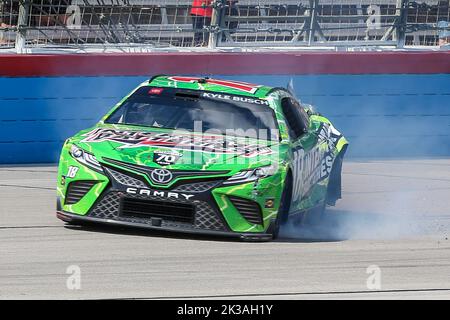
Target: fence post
217,6
400,30
22,23
313,22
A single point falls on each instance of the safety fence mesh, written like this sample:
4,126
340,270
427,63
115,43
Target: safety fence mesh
122,24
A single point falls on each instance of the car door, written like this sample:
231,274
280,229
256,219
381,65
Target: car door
306,155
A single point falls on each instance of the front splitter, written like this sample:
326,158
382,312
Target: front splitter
74,218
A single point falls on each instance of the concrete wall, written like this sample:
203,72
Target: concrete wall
401,114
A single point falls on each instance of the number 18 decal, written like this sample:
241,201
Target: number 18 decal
72,172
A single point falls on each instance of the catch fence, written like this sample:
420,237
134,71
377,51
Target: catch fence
126,25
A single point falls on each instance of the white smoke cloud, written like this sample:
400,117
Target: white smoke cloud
379,206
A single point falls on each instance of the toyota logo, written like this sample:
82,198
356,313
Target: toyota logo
161,176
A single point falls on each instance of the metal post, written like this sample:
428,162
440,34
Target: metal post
214,28
22,23
164,18
400,30
313,22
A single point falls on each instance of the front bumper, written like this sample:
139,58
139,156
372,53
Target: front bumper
108,201
74,218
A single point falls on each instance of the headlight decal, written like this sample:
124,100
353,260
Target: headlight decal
85,158
253,175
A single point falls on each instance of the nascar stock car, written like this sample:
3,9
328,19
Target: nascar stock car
198,155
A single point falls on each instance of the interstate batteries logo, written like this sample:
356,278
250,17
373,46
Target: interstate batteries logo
136,139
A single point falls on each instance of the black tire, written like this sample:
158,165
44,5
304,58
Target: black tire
283,211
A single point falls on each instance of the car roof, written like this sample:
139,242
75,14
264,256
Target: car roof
214,85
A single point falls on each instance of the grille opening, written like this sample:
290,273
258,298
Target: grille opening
196,185
125,178
77,190
146,209
250,210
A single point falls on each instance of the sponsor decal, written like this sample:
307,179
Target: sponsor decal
329,134
305,170
222,96
161,194
203,143
155,91
237,85
269,203
309,168
166,157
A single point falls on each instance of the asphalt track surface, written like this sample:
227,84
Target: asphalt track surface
394,215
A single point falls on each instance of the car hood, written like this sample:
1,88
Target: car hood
153,147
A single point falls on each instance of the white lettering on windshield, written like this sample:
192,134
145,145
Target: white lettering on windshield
221,96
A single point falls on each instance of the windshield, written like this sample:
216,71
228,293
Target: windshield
198,111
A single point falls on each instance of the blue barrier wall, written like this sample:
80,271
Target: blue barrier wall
382,115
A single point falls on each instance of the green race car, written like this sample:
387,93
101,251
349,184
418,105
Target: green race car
200,155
